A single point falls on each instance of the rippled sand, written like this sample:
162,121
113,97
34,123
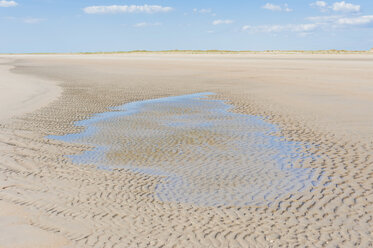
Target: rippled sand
204,154
280,155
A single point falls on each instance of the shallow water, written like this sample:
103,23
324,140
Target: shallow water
205,154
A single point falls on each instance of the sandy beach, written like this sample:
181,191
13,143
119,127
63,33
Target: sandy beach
320,104
21,94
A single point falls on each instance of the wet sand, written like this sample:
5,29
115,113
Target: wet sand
204,154
321,100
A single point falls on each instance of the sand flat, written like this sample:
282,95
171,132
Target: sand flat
20,94
323,100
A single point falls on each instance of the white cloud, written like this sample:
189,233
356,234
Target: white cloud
321,5
326,23
280,28
4,3
286,8
147,24
202,11
337,6
360,20
345,7
218,22
33,20
303,27
112,9
273,7
332,22
339,21
323,19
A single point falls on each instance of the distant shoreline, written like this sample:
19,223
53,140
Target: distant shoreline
331,51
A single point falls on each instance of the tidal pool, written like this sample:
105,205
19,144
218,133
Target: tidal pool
205,154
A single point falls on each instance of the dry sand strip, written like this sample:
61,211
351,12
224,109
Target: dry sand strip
324,100
19,95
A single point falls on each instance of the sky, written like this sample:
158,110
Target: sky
29,26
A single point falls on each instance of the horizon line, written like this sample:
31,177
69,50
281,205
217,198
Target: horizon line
200,51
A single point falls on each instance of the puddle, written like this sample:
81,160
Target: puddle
205,154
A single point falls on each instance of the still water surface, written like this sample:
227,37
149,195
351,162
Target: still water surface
205,154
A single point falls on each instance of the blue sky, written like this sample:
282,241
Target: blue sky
113,25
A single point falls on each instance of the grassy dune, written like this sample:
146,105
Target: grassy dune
176,51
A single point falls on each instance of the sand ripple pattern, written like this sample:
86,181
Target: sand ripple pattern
205,154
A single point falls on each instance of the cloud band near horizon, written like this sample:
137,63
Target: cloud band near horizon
114,9
4,3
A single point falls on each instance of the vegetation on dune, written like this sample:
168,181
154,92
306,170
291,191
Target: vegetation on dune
331,51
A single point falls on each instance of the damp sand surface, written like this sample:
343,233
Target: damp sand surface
205,154
319,106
